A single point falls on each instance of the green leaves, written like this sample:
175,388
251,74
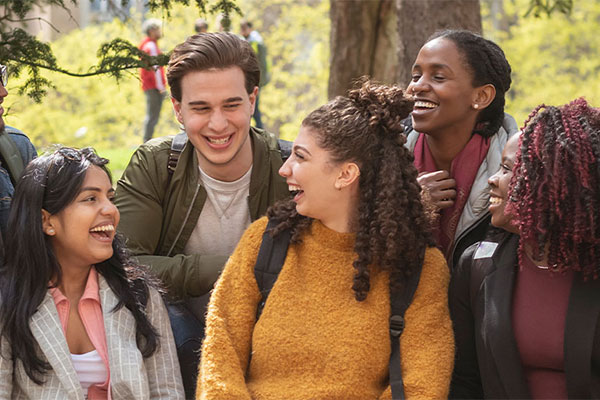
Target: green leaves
539,7
554,60
20,50
227,8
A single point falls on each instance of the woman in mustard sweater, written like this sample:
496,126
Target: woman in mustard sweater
357,228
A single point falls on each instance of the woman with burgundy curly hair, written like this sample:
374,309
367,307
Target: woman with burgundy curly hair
526,303
358,231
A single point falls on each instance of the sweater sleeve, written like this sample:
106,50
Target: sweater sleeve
140,193
427,343
230,322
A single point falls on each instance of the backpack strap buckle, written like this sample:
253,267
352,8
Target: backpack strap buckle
173,161
396,325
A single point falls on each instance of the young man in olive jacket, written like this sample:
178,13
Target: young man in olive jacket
183,212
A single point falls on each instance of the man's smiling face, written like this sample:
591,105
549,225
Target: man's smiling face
215,110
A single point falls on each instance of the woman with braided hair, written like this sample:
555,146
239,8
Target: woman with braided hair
358,234
526,302
458,129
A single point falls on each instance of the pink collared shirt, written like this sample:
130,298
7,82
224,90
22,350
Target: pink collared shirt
90,311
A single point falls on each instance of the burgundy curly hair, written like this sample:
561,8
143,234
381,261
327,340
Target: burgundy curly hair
392,230
554,194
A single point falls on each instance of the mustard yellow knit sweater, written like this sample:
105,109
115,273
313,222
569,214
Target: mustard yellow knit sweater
314,340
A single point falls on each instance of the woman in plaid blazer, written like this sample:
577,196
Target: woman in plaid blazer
78,319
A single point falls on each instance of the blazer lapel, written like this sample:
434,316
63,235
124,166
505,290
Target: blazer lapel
108,302
47,330
125,361
580,331
497,324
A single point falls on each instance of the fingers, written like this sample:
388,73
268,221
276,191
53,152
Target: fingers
440,187
445,184
434,176
444,204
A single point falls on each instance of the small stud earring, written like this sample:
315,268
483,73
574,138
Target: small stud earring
51,231
476,106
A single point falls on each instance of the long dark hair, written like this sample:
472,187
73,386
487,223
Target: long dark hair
392,232
51,182
488,64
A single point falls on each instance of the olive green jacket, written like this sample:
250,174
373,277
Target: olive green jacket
157,220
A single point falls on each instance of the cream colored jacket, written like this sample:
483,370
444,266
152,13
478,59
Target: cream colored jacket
131,375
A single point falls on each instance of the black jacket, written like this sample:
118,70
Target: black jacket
488,361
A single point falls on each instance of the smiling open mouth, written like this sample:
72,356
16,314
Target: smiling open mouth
421,104
495,200
103,232
295,190
219,141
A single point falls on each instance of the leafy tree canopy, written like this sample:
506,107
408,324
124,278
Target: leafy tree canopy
554,60
23,52
99,110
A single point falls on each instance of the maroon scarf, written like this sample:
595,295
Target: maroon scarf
463,169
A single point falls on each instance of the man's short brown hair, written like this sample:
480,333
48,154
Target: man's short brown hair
204,51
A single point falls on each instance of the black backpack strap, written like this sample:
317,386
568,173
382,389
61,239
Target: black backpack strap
177,146
399,303
269,262
285,148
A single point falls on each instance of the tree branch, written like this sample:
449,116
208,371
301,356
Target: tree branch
33,19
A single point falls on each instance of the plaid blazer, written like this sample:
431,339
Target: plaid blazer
131,375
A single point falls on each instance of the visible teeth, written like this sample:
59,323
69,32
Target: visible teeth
104,228
495,200
425,104
293,188
219,141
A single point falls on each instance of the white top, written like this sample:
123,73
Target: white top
224,216
90,369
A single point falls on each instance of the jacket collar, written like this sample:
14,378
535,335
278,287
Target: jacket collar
266,185
478,200
583,314
262,164
47,330
497,329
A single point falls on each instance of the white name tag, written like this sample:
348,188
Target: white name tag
485,250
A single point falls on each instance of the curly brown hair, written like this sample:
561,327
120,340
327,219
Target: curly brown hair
554,194
392,230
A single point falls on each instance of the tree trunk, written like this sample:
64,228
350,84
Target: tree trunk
419,19
364,37
381,38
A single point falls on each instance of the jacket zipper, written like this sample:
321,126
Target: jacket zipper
187,215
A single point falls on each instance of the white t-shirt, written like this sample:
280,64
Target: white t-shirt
90,369
224,217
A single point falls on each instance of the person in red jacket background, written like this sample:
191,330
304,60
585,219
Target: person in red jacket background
153,79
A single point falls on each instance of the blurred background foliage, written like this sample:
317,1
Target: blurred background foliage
554,60
108,114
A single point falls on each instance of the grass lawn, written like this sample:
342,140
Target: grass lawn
119,158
